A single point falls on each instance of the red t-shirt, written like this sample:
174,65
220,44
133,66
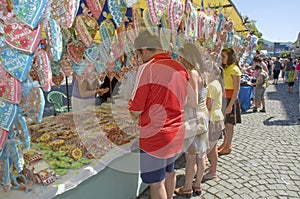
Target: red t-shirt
159,94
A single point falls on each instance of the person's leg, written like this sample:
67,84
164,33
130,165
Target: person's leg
229,135
190,170
158,190
213,157
170,183
199,175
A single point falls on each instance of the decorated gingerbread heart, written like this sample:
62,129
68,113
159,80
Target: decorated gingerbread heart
21,37
44,70
92,53
96,7
16,63
79,68
75,50
86,28
54,37
30,11
8,114
66,64
10,88
58,79
176,11
157,9
107,32
117,10
5,12
64,11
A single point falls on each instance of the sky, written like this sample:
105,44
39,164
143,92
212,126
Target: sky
277,20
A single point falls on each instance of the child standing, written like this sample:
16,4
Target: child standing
260,89
216,121
291,80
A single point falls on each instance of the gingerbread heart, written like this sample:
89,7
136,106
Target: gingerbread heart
157,9
44,70
66,65
117,11
107,32
16,63
64,11
100,67
176,10
75,50
55,67
103,55
33,101
58,79
86,28
80,67
5,13
8,114
92,53
21,37
55,42
96,7
3,138
10,88
30,11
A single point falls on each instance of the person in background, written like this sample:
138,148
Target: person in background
232,78
216,120
277,67
291,79
288,67
260,85
191,57
157,101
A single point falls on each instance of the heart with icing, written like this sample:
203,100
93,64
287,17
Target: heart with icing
8,114
92,53
107,32
43,69
80,67
156,9
96,7
22,37
86,28
58,79
176,11
55,67
55,42
30,11
66,65
16,63
75,50
10,88
5,13
3,138
64,11
117,11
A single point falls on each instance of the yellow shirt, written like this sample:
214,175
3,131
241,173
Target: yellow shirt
215,93
228,80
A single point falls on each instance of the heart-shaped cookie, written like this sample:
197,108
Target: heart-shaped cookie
107,32
55,67
55,42
8,114
21,37
64,11
156,9
58,79
10,88
44,70
117,11
66,65
75,50
16,63
86,28
5,13
92,53
30,11
96,7
176,10
80,67
3,138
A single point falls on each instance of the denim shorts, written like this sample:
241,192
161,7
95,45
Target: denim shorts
153,169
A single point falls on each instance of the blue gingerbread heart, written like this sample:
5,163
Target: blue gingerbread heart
30,11
16,63
92,53
8,114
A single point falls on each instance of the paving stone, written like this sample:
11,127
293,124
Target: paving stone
263,194
208,196
293,188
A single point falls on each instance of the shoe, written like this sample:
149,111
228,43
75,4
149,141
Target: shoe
226,151
254,110
209,176
263,110
184,193
197,190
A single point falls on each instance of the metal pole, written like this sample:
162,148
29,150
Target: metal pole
67,89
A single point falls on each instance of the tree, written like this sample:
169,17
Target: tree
285,54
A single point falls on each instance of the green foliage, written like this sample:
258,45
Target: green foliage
250,24
285,54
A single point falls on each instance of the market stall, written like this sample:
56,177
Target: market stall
43,42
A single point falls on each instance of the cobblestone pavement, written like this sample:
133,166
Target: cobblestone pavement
265,161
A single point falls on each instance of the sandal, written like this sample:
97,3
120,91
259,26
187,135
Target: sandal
209,176
184,193
19,182
226,151
197,190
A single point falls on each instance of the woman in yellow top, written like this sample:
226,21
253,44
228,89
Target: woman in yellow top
232,77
